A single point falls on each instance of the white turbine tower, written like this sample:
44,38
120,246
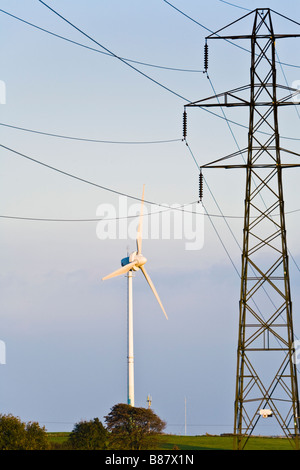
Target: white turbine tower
134,262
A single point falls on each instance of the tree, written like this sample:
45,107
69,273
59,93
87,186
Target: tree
36,437
133,428
16,435
12,433
88,435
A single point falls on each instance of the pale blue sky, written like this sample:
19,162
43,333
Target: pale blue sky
64,329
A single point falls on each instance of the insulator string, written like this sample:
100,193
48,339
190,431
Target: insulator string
205,56
200,186
184,125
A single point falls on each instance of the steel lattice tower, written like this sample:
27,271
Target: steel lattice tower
266,378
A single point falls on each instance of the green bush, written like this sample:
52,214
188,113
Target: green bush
88,435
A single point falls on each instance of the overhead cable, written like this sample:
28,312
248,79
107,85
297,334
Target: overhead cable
126,62
176,69
89,140
112,53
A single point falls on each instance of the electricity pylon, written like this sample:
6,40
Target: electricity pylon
266,384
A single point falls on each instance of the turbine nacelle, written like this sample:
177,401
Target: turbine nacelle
136,258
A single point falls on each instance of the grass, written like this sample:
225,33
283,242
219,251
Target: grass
221,443
207,442
58,439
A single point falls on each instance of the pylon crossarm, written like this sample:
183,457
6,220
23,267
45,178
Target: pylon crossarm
228,167
223,99
258,36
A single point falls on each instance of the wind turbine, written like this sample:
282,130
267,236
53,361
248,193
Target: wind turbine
134,262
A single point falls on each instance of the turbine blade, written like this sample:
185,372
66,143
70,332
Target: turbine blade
140,227
153,289
120,271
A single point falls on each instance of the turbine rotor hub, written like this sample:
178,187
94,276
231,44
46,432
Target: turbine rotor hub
141,260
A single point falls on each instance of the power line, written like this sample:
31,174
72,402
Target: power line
101,187
83,180
70,175
105,188
236,6
108,219
222,243
129,60
192,154
48,219
148,76
202,26
89,140
97,50
112,53
134,68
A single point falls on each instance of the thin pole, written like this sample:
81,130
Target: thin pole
130,359
185,416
